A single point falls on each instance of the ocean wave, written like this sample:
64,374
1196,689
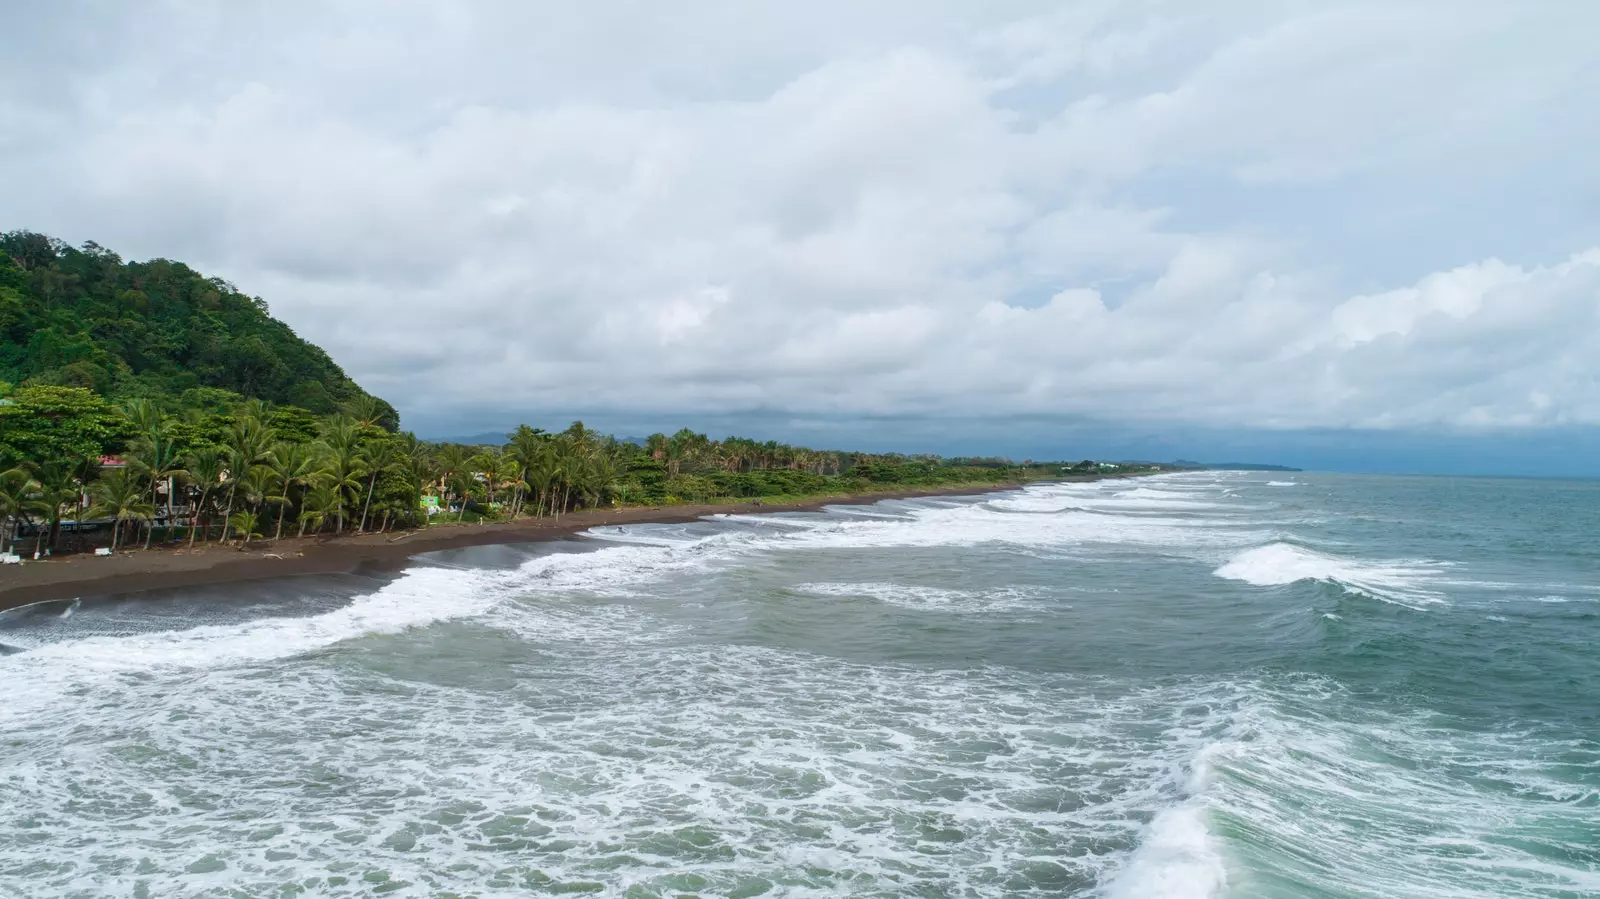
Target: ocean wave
1406,582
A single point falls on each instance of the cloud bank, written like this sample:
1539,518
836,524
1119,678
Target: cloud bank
1283,216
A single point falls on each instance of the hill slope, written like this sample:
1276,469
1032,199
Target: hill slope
156,329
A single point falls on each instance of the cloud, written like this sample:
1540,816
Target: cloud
1121,211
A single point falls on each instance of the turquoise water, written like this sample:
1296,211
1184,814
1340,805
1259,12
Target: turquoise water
1230,685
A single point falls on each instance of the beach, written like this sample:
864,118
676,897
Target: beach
138,570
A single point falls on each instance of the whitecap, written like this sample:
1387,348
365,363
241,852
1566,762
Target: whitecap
1400,581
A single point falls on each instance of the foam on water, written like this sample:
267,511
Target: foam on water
966,602
1405,805
1177,859
1401,581
628,720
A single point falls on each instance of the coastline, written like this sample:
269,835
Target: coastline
212,564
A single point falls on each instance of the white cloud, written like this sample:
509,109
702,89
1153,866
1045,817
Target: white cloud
834,209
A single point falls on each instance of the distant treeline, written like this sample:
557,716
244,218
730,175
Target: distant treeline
244,468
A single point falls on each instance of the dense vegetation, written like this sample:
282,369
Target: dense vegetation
153,330
143,401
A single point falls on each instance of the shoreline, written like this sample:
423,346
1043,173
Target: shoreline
82,577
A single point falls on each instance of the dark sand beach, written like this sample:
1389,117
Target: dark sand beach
137,570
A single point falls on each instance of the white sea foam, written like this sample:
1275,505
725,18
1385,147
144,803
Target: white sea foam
1398,805
1402,581
418,597
1177,859
1283,483
1000,599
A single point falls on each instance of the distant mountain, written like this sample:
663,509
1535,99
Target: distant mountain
1234,466
487,438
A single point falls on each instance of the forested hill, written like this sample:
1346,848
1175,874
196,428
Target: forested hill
157,330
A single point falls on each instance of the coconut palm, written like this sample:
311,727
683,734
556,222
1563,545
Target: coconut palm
205,468
526,446
343,463
18,497
245,522
498,471
259,488
249,444
58,487
118,495
155,458
318,503
380,456
599,479
296,465
367,411
541,475
461,482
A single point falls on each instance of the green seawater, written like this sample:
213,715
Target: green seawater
1196,685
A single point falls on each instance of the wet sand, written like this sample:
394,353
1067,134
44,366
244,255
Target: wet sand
137,570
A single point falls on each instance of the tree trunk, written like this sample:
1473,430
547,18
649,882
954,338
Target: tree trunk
368,505
282,508
227,514
149,531
194,524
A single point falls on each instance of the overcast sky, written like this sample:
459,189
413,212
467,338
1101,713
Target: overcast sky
957,221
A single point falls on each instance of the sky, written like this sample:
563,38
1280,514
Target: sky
1345,235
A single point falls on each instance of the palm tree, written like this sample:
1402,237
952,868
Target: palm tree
259,488
155,457
205,468
379,457
316,505
144,415
341,450
600,478
119,496
525,448
541,475
296,465
249,444
246,523
461,482
366,410
497,469
18,498
58,486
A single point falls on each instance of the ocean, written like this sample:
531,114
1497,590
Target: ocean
1191,685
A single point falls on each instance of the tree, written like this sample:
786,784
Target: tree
461,483
18,498
245,522
153,330
58,487
155,458
341,451
378,458
249,444
119,496
296,465
43,424
318,503
204,468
